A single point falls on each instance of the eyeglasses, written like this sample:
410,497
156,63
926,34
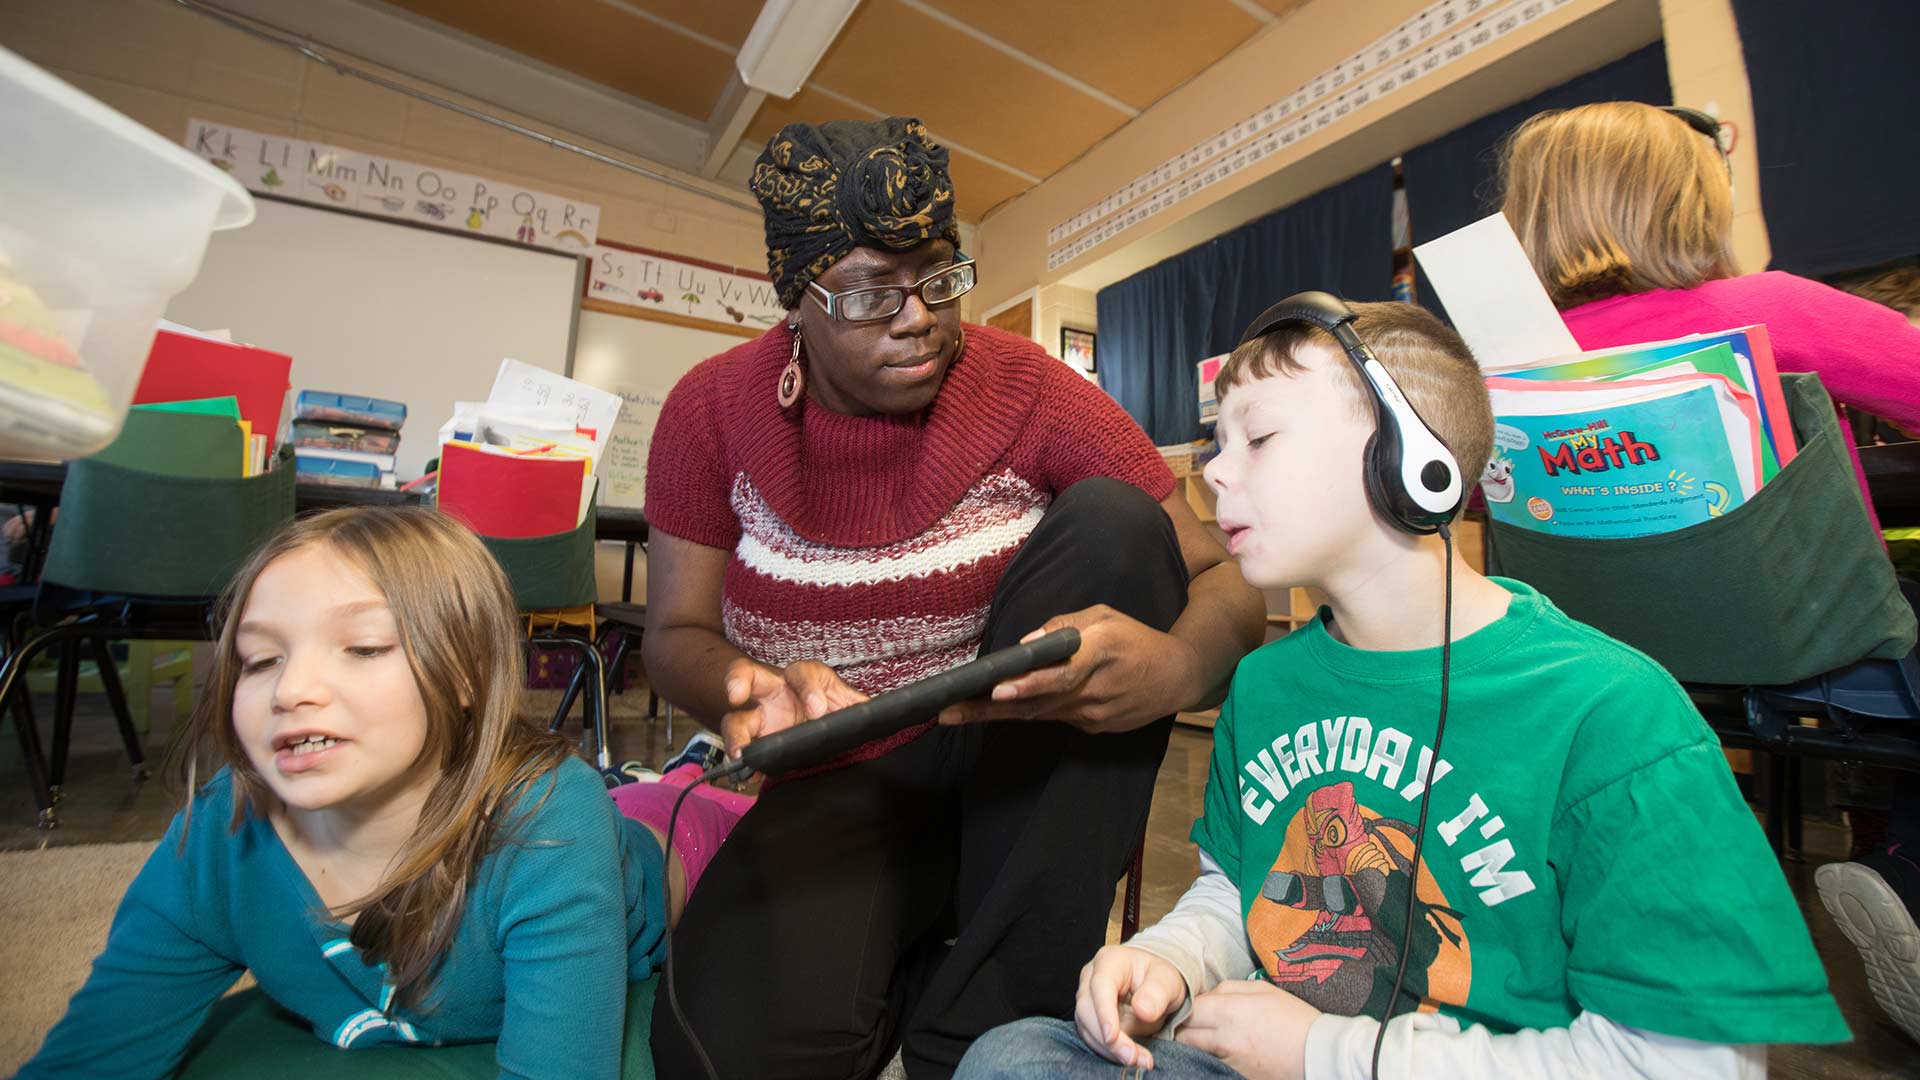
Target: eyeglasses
871,304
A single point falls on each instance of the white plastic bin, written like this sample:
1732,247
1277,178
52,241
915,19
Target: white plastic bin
102,221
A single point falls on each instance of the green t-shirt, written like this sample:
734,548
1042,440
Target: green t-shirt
1586,845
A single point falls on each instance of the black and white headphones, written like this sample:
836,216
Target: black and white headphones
1412,480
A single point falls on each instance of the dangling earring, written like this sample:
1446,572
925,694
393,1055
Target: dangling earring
793,378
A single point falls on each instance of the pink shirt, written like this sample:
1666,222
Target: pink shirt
1867,355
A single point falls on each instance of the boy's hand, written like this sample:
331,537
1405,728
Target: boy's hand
1124,674
1254,1026
1125,993
762,699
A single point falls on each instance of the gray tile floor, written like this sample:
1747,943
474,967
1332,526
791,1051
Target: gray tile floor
102,805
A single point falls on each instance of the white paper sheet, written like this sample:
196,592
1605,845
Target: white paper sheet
589,407
1493,296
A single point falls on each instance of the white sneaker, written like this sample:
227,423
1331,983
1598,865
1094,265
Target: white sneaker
1877,921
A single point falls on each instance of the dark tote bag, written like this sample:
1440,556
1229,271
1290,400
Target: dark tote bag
1792,583
138,532
554,571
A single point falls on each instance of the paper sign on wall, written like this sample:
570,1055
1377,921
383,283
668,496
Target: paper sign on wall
652,281
334,176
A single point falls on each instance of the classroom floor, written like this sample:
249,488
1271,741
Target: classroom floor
102,805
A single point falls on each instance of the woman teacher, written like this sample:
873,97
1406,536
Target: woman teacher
865,495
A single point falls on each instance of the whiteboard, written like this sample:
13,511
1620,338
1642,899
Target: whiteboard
387,310
640,360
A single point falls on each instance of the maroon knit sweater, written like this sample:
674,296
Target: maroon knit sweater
874,543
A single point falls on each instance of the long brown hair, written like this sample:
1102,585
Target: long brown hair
1617,197
460,632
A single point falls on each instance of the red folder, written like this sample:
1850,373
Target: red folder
508,497
182,367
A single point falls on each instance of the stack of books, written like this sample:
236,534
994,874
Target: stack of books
1637,440
345,440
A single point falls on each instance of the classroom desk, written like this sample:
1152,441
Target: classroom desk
38,484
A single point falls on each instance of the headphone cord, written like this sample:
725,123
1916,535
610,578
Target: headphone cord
673,993
1426,796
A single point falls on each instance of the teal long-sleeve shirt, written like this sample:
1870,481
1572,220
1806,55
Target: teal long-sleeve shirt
558,921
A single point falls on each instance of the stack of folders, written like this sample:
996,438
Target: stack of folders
523,463
206,372
1637,440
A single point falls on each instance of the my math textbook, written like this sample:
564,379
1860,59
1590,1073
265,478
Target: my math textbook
1617,459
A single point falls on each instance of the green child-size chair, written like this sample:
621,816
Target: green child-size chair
151,530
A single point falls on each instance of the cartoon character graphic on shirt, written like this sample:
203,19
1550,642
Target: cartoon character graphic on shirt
1329,920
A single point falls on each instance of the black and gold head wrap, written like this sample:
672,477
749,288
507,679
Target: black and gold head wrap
829,188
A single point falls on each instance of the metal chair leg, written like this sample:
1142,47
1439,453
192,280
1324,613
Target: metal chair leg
117,699
1776,803
35,757
65,689
567,699
597,697
617,670
1794,817
13,690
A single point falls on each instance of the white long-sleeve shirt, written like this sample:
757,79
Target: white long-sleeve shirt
1205,939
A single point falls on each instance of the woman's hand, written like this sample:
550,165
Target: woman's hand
1125,994
762,699
1125,674
1254,1026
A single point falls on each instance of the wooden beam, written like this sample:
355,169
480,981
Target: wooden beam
608,307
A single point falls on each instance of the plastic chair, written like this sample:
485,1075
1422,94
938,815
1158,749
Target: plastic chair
151,530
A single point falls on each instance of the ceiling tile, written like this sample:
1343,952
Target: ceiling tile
979,187
906,63
726,20
597,42
1101,43
809,106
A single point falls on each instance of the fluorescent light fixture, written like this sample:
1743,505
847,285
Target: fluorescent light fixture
788,40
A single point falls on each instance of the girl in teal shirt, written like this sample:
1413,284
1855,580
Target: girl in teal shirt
386,845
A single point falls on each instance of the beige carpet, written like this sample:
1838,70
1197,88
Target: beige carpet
57,905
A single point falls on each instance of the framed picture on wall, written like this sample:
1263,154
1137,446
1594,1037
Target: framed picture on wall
1076,348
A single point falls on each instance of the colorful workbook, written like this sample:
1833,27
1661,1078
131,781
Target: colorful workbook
1748,362
1623,458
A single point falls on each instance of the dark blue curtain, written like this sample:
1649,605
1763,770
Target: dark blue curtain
1453,181
1834,87
1159,323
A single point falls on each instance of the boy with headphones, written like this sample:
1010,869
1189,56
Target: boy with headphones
1591,897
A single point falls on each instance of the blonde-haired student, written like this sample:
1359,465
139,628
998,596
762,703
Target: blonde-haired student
1626,211
375,832
1592,897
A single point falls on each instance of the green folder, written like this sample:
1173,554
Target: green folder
178,444
211,406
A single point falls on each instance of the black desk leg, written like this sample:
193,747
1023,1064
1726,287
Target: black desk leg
39,534
626,577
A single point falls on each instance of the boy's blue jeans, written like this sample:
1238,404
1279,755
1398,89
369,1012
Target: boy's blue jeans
1045,1047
